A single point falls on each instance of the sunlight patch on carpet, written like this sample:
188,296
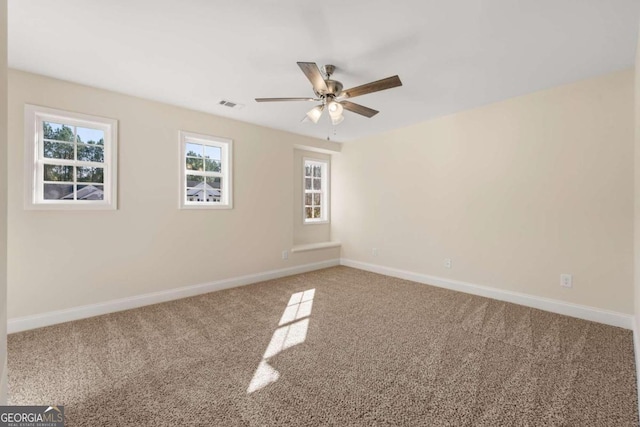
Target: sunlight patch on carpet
294,324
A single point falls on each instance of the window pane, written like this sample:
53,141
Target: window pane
317,171
307,183
203,193
194,180
317,184
214,196
91,153
90,192
90,136
307,199
308,213
212,165
194,164
307,170
57,131
203,189
214,189
193,150
316,212
214,153
194,194
316,199
58,191
84,174
58,150
58,173
214,181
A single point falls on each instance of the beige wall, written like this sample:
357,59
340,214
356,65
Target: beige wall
637,194
306,233
60,260
3,201
515,193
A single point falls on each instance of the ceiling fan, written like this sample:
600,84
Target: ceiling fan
331,95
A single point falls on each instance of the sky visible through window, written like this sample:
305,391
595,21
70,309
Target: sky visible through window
196,150
85,134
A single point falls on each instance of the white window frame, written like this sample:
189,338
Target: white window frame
34,158
325,191
226,160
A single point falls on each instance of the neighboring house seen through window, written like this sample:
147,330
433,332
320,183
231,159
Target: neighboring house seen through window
316,191
71,160
206,171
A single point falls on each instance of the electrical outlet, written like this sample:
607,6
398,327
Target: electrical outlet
374,251
447,263
285,254
566,280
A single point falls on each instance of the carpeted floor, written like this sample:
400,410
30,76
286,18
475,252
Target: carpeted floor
336,347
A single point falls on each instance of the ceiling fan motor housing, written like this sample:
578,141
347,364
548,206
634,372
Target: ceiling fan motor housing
334,87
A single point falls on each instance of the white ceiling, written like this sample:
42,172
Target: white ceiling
451,55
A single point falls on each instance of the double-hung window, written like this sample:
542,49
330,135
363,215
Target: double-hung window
316,191
205,171
71,160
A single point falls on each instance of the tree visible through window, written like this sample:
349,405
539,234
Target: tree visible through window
315,191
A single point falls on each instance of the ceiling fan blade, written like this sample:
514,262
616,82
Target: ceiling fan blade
359,109
311,70
378,85
285,99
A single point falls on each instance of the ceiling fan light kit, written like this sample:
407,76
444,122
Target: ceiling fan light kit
315,113
337,120
332,96
335,112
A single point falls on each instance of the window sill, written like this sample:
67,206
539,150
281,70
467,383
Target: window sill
29,206
315,246
326,221
197,207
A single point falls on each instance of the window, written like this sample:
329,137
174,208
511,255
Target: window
205,172
316,191
71,160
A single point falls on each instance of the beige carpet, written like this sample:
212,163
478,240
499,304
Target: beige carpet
334,347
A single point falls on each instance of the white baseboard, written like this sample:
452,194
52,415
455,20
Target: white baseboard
4,382
20,324
580,311
574,310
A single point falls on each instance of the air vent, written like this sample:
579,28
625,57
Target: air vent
230,104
